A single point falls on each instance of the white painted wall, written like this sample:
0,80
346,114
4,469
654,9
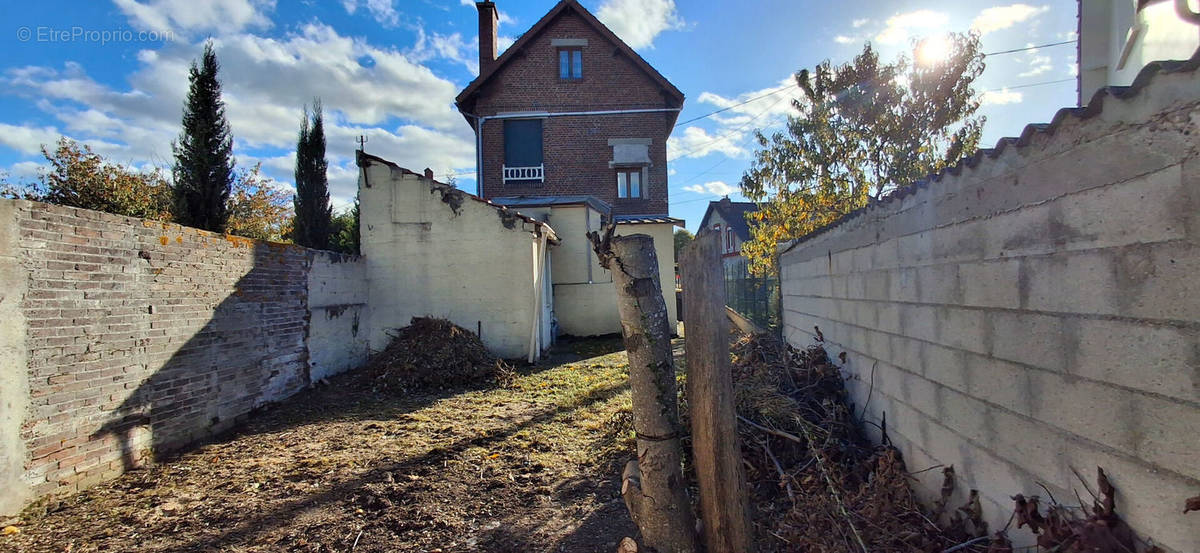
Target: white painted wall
472,266
337,301
1116,40
590,309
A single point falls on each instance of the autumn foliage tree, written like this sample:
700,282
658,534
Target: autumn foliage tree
859,130
258,207
79,177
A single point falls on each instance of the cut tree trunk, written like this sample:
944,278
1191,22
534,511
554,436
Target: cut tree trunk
653,485
716,451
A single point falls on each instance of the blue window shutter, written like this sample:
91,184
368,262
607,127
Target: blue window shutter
523,142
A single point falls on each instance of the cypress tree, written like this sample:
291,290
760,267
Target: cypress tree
313,212
203,171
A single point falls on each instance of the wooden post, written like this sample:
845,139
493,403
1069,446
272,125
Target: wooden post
653,486
715,445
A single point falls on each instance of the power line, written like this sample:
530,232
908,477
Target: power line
742,103
1015,50
1069,79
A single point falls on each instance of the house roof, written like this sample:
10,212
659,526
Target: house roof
546,201
363,159
734,215
646,220
1095,107
673,93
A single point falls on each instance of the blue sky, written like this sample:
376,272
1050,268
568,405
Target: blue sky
113,74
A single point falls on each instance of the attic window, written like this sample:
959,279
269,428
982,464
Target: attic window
570,63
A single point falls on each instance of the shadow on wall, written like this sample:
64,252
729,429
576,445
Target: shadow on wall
250,352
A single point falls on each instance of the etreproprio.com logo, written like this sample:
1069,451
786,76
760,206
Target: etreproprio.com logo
77,33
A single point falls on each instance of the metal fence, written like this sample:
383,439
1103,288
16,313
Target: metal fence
756,298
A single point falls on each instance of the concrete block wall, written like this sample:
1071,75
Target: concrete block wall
124,338
1036,313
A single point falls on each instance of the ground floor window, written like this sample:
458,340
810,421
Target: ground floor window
629,183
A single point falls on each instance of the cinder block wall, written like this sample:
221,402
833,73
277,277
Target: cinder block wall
1035,312
124,337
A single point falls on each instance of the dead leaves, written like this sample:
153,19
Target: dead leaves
1192,504
1063,529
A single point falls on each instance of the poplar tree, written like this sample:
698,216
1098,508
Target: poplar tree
203,171
858,131
313,212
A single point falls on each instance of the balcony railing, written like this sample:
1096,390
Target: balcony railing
524,174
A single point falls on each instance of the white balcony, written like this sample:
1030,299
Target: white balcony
536,173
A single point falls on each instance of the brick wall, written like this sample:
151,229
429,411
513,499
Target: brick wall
142,337
576,150
1035,313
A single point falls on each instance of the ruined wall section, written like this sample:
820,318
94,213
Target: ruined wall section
141,337
1034,311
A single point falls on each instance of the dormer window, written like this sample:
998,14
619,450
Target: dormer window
570,63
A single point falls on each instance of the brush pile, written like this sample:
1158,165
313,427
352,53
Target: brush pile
817,484
816,481
433,352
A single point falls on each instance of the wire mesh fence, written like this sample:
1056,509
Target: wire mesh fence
754,297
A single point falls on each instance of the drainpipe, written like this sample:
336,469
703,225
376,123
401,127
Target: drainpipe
481,119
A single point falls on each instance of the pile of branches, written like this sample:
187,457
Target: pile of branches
433,352
818,484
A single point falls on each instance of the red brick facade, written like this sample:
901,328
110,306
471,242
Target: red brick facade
575,149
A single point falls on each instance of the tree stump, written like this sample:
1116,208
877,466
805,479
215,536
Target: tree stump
653,485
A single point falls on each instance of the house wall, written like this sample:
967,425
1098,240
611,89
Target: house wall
576,151
460,259
1036,313
124,338
585,309
1105,37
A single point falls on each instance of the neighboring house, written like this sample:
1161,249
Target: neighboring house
1119,37
571,128
728,218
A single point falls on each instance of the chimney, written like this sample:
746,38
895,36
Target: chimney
489,19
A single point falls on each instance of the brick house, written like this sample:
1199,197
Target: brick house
570,110
571,128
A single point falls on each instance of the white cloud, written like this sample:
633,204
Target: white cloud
384,11
27,140
904,26
843,39
1038,64
1002,17
450,47
859,22
188,16
404,109
1000,97
716,188
696,142
639,22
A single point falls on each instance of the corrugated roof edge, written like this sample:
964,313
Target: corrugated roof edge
362,158
647,220
1092,109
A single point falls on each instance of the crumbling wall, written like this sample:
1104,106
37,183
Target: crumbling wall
124,338
1034,311
435,251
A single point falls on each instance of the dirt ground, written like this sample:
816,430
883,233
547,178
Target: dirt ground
533,468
